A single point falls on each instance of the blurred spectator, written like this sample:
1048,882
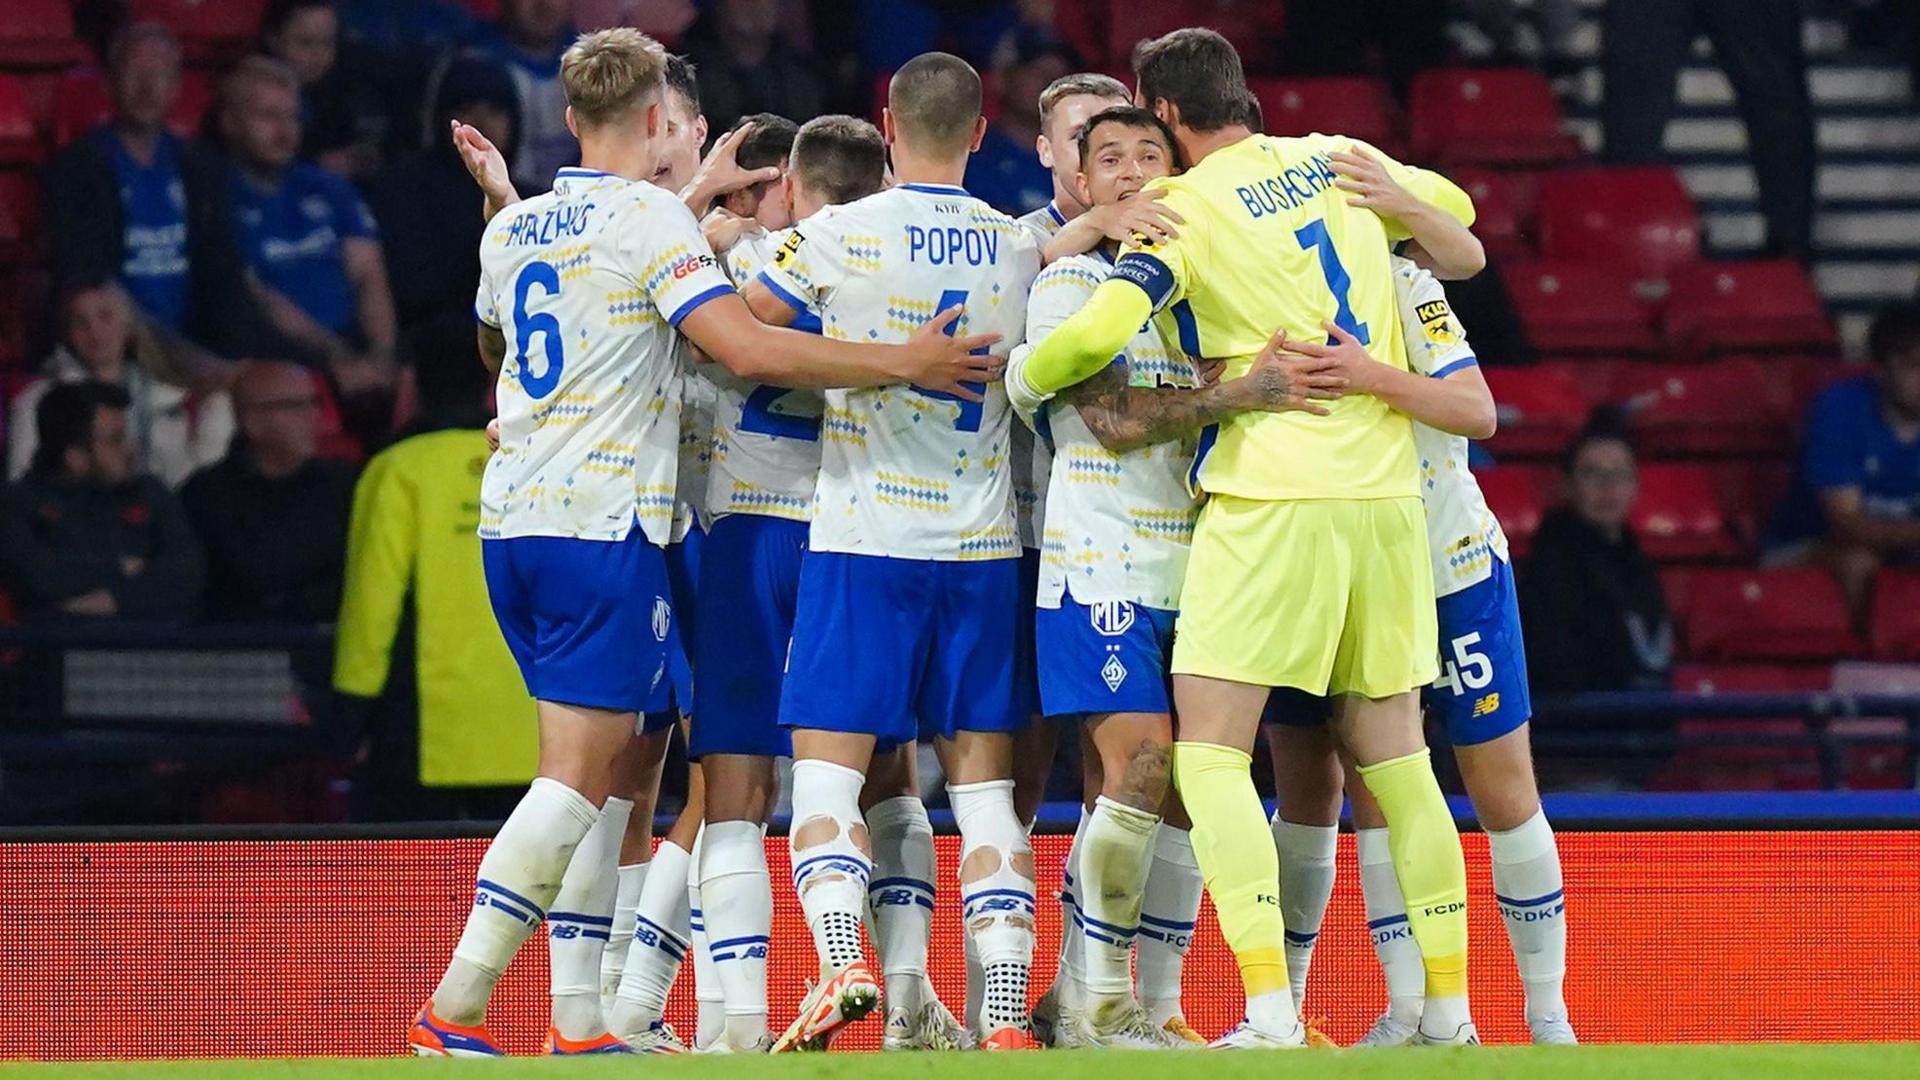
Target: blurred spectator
1855,502
1006,170
340,122
1590,599
312,243
1033,31
662,20
452,711
893,32
746,66
272,516
399,30
1758,43
170,430
83,535
527,42
426,204
131,200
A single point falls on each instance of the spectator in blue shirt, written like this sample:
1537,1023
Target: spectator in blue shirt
1006,171
527,42
132,201
1855,503
310,240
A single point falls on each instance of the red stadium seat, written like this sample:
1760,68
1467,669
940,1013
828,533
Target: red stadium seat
19,216
1751,678
1494,116
1780,754
1679,515
1251,27
1575,305
1719,307
1498,222
1356,107
38,33
1792,614
19,140
1639,218
207,28
1731,407
1519,496
1895,632
1541,409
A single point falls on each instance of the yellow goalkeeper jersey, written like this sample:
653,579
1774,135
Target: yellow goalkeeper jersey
1270,244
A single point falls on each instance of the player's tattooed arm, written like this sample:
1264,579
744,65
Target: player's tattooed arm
1125,417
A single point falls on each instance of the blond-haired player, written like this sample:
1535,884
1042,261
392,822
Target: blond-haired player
582,291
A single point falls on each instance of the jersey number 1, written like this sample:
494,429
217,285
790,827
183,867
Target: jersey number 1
1313,236
527,324
969,418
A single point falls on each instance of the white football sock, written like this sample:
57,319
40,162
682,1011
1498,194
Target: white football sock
1069,981
660,933
519,876
998,907
1393,940
613,958
1113,875
830,875
1526,882
1306,884
901,893
976,979
1169,907
581,922
710,1004
737,897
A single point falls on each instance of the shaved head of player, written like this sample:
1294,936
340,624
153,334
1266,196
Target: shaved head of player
932,119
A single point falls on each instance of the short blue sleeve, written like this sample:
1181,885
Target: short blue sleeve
1838,427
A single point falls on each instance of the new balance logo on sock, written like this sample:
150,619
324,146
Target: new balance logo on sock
507,902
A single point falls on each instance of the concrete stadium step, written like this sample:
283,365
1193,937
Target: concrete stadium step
1739,232
1839,183
1727,136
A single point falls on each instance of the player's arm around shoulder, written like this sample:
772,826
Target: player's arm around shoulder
1126,417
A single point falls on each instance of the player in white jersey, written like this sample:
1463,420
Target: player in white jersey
656,896
1117,533
908,601
582,289
1481,695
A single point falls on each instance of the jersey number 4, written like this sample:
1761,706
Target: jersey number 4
969,418
1313,237
527,324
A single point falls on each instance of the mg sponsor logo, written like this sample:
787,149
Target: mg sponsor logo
1111,618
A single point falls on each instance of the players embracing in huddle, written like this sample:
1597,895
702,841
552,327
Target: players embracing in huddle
820,407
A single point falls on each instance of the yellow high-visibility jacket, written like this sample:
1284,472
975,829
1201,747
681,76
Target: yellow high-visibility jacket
415,515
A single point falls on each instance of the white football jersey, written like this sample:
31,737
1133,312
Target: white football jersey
1118,526
1032,456
1463,534
698,399
766,439
588,282
906,472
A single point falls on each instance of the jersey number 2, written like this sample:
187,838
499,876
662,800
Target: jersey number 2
526,324
969,418
1313,236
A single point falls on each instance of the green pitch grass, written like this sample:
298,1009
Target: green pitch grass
1854,1061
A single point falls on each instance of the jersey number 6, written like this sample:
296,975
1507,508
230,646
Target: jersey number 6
526,324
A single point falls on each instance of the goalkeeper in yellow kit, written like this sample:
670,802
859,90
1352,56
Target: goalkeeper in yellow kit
1310,566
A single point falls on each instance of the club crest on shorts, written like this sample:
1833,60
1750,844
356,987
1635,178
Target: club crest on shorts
1113,673
662,617
1111,618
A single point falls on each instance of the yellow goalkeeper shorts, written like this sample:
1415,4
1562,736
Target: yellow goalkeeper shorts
1325,595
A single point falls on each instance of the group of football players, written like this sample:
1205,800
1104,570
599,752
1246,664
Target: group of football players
884,466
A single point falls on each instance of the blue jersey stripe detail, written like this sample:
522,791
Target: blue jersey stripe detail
780,291
687,308
1208,436
1458,365
935,189
1183,321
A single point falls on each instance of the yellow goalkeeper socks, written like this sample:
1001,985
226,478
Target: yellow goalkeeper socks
1237,859
1429,864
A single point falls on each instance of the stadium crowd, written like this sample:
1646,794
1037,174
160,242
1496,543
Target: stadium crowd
250,395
